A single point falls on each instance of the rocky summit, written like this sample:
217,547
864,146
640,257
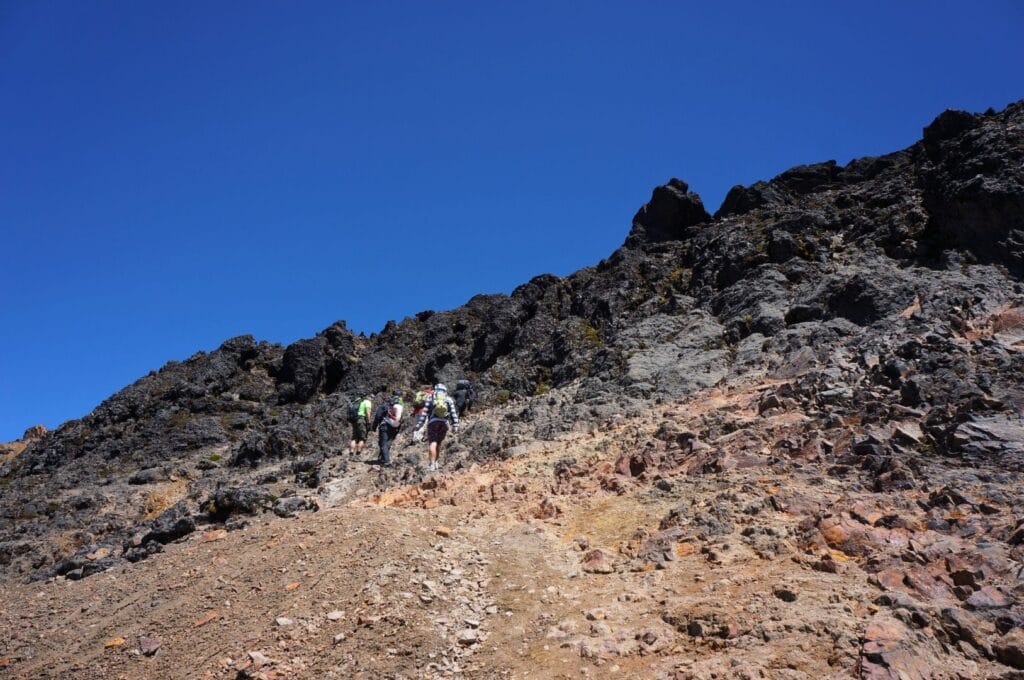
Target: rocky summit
782,441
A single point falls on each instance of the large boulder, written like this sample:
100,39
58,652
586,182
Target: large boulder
302,370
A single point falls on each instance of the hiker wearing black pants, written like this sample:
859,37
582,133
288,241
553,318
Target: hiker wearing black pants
436,417
465,396
388,422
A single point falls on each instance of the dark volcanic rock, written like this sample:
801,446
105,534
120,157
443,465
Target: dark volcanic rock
672,209
246,500
302,369
172,524
973,183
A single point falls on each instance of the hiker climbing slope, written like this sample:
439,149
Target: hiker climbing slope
387,422
437,415
465,397
359,416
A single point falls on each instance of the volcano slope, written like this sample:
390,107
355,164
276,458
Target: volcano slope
783,441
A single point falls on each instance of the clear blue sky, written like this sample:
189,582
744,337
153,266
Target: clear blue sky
176,173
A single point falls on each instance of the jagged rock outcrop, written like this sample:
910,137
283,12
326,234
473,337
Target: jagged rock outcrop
673,208
973,183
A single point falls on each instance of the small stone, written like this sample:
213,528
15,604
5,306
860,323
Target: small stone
468,636
148,646
205,619
472,623
98,554
907,434
114,642
491,609
259,660
340,637
283,621
335,615
731,631
444,532
596,615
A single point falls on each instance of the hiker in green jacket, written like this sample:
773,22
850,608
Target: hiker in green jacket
359,416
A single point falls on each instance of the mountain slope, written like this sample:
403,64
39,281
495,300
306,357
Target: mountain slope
878,304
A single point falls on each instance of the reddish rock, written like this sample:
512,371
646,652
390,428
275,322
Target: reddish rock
887,652
928,584
889,579
883,635
733,630
848,536
205,619
548,509
598,562
866,514
635,464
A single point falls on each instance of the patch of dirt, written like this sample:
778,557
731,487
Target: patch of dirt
619,553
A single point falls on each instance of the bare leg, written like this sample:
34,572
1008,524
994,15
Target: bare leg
432,452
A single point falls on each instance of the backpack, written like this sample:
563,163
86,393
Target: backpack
420,399
353,410
393,416
468,388
440,406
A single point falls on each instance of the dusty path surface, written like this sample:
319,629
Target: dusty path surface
583,558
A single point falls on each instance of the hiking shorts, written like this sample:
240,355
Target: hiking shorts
359,430
436,431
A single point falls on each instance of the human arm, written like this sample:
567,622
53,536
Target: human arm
454,414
